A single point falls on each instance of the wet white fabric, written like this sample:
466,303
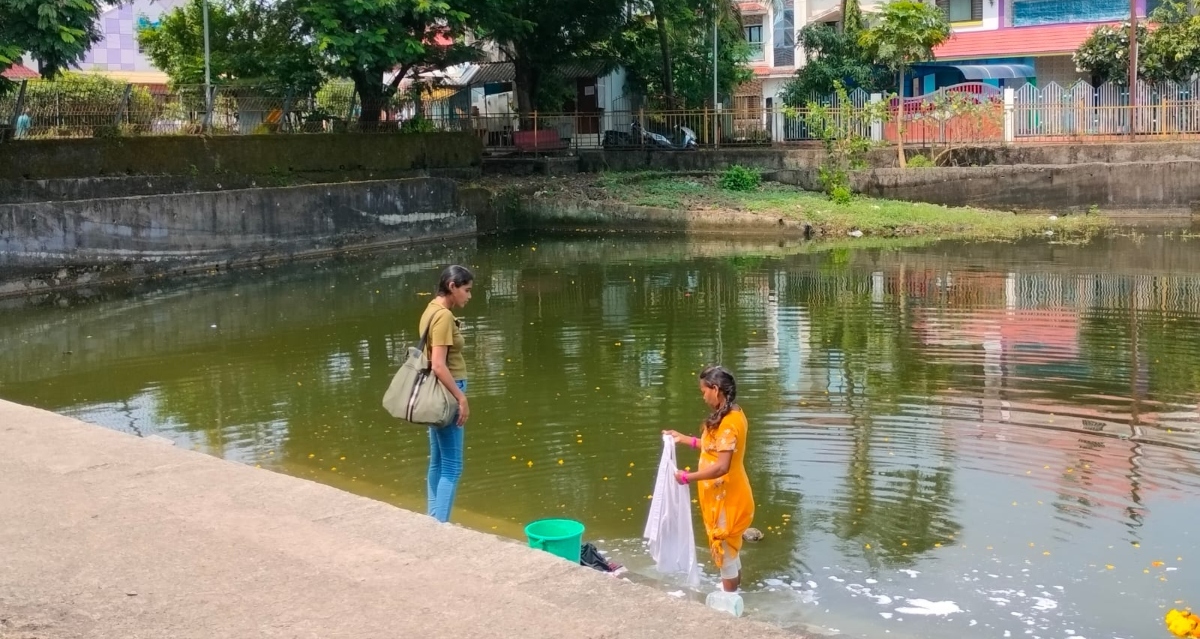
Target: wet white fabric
669,527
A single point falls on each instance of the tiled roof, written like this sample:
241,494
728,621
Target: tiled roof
19,72
1015,41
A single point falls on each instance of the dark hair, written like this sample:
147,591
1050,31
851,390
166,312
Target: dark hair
721,379
456,275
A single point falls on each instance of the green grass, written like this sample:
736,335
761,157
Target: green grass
874,217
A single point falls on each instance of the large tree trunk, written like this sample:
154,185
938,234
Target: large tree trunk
668,73
371,96
526,87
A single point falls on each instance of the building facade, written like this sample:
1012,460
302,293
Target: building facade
117,54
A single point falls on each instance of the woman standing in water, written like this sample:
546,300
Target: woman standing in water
450,367
726,503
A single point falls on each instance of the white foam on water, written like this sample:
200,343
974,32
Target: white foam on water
837,579
812,584
1058,588
926,607
883,600
911,573
872,581
1043,604
676,593
773,582
1069,631
1007,633
1000,601
1172,569
972,624
885,615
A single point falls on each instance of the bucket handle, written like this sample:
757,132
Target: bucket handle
540,544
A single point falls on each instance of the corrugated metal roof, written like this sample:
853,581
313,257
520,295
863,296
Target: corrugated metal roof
491,72
1055,39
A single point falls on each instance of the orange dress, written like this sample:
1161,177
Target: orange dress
726,503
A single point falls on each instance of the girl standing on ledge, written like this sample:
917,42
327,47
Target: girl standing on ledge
450,367
726,503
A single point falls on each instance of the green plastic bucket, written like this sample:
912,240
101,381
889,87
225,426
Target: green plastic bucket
561,537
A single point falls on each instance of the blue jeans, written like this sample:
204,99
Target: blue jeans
445,464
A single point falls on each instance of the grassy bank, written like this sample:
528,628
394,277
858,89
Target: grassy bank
873,217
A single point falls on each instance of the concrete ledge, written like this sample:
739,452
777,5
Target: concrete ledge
53,244
568,215
108,535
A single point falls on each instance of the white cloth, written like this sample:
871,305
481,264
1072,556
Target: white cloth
669,526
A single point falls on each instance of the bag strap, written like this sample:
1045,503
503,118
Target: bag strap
425,335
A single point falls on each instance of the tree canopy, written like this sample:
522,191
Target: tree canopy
540,36
57,33
1169,51
680,76
251,41
835,57
364,40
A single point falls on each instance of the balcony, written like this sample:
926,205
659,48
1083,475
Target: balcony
757,54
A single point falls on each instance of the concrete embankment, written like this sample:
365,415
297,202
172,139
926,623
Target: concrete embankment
108,535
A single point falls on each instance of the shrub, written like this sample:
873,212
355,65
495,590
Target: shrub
418,125
920,162
840,194
740,178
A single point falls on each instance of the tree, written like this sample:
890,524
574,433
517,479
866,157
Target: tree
833,57
365,39
690,42
1169,51
57,33
1105,54
252,42
540,36
906,33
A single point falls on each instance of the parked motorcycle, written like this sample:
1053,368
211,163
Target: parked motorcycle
685,137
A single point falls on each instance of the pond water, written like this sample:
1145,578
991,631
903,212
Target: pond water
1007,433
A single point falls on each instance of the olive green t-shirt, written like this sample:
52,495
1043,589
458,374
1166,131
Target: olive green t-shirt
445,332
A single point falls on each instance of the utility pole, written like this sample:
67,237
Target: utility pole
1133,66
208,107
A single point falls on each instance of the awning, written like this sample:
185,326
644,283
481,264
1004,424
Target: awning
984,71
492,72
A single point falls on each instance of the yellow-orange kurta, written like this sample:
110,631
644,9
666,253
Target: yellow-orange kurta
726,503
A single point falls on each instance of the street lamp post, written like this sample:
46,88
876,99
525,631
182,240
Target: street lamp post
208,107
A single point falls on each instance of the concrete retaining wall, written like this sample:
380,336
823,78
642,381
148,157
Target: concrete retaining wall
352,155
1132,186
1162,186
563,214
63,243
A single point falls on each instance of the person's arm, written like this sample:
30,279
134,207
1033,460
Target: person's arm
442,373
680,438
713,471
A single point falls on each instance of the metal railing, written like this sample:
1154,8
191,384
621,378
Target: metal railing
89,108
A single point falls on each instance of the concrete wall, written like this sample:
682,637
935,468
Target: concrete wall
51,244
572,215
361,156
1165,186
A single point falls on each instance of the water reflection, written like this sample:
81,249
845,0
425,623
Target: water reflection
967,423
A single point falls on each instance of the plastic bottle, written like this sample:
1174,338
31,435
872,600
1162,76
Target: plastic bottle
729,602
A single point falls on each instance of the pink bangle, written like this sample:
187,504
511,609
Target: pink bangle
693,442
683,478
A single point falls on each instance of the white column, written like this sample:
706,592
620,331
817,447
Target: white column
1010,100
876,123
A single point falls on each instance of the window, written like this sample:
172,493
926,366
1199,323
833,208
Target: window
962,10
754,34
754,37
784,30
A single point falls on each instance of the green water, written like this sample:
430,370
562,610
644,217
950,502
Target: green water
1008,427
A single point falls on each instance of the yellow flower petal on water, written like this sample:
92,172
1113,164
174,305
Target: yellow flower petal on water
342,458
1046,553
629,474
605,479
311,455
1157,564
868,546
1108,566
333,470
514,457
529,463
631,464
560,462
